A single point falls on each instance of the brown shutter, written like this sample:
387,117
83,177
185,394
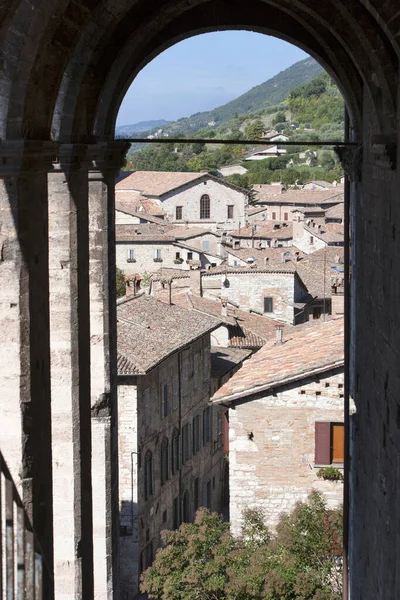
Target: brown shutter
322,443
338,443
225,432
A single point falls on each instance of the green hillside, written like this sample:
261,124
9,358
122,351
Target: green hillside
128,130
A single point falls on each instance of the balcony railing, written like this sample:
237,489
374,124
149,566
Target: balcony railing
23,573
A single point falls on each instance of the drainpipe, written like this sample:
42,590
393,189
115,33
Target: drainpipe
347,300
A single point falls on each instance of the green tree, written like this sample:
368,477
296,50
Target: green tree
280,117
121,285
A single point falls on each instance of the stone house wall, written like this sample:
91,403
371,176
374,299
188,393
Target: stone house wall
144,253
276,468
221,196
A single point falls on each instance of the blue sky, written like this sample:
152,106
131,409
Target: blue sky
204,72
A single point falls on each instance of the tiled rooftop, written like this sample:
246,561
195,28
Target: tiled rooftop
312,267
224,360
184,233
143,232
330,233
134,204
156,183
335,212
149,330
314,347
279,230
302,197
275,256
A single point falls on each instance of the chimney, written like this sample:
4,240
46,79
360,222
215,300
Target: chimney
224,307
279,335
195,281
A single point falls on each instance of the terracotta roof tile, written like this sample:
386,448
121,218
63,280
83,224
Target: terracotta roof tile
143,232
148,331
156,183
224,360
312,348
302,197
279,230
275,256
135,204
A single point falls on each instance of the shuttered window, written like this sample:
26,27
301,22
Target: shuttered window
329,443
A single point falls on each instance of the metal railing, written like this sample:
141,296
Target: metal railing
22,567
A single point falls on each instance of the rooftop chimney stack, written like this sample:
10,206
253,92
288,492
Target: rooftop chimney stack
279,335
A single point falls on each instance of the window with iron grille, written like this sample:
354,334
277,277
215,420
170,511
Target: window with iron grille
164,400
164,461
205,207
230,209
178,213
196,434
175,463
148,475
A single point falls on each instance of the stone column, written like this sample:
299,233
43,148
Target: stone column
107,160
70,374
25,432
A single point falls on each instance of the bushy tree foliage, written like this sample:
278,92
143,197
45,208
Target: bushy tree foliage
204,561
121,285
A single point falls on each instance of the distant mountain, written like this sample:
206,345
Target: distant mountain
269,93
127,130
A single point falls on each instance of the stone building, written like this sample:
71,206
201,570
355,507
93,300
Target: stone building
66,67
196,198
264,234
169,438
286,422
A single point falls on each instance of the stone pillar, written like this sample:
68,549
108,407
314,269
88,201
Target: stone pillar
106,163
25,432
70,374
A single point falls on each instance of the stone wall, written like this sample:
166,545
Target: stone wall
144,254
275,468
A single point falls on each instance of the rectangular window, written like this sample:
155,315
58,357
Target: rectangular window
190,255
175,393
185,378
164,400
207,425
205,244
329,443
311,240
175,462
268,305
286,216
230,208
236,244
196,370
131,255
186,454
175,513
196,434
178,213
157,253
207,495
196,491
147,405
177,255
274,216
316,313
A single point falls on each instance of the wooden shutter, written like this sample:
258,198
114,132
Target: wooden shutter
322,443
338,443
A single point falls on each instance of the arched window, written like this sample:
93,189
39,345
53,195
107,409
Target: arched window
175,452
148,475
164,461
185,508
205,207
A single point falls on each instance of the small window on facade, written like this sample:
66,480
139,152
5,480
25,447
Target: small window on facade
196,370
148,475
157,253
185,378
131,255
274,216
268,305
236,244
164,400
175,513
164,461
147,405
207,495
175,393
186,443
196,434
205,207
285,216
175,462
190,255
205,244
311,239
186,508
329,443
207,425
178,213
316,312
196,493
177,255
230,208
